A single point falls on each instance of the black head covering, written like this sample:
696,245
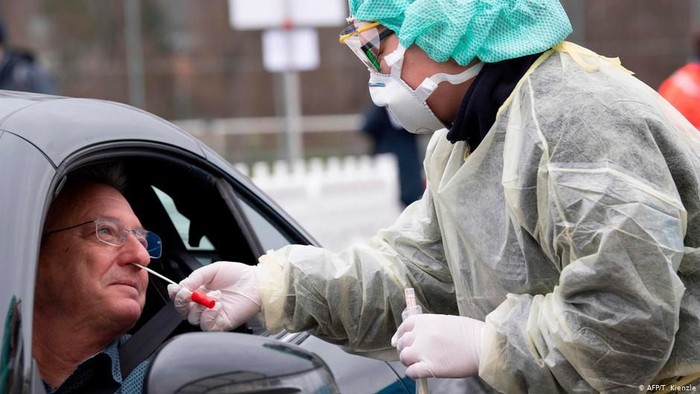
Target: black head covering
488,92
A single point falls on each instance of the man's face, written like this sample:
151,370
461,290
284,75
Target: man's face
83,279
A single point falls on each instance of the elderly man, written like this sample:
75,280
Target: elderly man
88,291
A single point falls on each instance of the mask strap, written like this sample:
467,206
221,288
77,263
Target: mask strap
456,79
429,85
395,61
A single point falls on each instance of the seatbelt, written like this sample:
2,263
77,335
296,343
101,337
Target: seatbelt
147,339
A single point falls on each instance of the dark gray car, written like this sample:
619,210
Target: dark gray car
203,209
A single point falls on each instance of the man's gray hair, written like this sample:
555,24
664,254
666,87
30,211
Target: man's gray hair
110,174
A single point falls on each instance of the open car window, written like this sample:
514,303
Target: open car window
202,214
211,213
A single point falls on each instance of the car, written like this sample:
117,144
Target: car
203,209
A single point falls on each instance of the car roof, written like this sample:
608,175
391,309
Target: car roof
60,126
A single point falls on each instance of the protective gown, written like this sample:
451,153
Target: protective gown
572,230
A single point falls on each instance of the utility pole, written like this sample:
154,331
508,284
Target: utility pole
134,53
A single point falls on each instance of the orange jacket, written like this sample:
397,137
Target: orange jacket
682,89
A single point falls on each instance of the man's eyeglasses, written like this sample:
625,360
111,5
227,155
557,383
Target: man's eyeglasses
112,233
364,39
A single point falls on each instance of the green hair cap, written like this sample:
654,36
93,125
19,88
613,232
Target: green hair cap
491,30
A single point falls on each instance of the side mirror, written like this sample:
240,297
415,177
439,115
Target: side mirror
226,362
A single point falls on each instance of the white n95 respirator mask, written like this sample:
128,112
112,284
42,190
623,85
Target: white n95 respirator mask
406,106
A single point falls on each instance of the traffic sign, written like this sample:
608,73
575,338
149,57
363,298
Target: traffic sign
265,14
290,50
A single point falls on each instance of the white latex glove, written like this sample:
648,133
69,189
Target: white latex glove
234,286
440,346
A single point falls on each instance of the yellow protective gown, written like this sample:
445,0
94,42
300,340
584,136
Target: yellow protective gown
572,230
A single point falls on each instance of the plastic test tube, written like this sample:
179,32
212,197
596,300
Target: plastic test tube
198,296
413,309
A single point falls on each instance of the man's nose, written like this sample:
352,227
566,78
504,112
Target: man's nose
141,255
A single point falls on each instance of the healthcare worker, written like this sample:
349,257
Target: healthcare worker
556,245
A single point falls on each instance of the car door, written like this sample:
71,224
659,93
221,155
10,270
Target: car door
26,175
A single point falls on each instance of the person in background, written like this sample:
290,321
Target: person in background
20,69
682,88
88,292
389,137
557,245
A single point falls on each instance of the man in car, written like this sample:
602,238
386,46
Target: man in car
88,291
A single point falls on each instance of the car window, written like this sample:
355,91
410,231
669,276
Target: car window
204,215
270,236
194,209
182,224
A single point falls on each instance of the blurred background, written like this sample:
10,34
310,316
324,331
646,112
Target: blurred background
185,61
214,68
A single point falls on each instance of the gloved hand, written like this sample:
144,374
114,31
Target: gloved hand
234,286
440,346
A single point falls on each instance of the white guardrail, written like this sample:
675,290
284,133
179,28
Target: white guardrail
339,201
271,124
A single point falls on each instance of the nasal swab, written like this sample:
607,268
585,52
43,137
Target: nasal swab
198,296
413,309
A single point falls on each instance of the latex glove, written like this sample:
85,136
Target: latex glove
440,346
234,286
